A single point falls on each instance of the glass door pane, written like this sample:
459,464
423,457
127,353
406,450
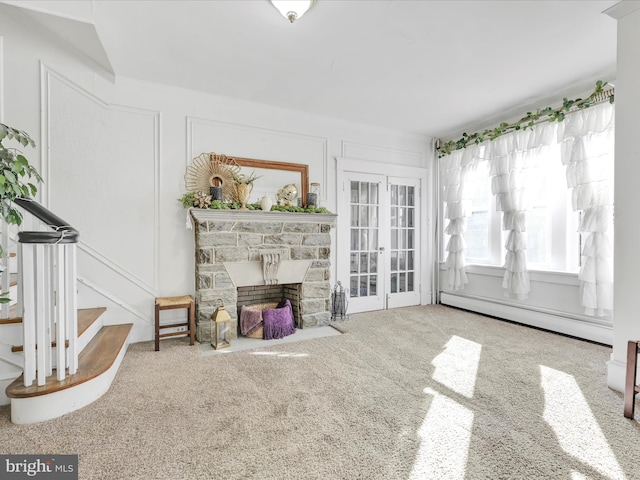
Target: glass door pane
402,235
364,238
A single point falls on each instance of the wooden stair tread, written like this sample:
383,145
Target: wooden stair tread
9,321
13,316
97,357
86,317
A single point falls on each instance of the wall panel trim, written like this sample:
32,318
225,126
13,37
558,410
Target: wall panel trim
116,300
323,141
46,75
406,154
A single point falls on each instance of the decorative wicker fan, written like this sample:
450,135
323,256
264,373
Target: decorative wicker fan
209,170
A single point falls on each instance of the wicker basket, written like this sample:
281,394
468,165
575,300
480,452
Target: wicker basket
259,332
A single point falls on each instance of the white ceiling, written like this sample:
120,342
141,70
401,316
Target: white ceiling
430,67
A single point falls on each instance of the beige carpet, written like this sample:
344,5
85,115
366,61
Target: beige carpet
412,393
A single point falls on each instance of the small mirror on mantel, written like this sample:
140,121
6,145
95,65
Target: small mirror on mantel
273,176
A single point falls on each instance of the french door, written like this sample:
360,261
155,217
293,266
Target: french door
383,234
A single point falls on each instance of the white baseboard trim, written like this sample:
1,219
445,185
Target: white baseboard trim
616,373
546,320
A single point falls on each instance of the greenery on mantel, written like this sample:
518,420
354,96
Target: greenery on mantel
528,121
189,200
243,178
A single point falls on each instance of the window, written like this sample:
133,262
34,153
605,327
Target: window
480,221
552,240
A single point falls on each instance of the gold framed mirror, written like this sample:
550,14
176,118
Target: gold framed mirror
299,175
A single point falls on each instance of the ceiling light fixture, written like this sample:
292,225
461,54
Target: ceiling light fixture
293,9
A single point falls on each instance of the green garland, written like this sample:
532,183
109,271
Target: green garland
528,121
188,199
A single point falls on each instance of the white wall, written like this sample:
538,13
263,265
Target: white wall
114,154
627,196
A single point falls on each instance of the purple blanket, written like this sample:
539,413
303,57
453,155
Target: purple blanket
250,319
278,322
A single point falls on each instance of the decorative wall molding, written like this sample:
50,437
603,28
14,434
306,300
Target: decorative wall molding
381,154
43,188
381,168
116,300
119,269
47,74
322,142
325,171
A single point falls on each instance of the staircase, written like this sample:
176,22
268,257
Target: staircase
60,358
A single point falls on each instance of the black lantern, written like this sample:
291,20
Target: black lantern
338,302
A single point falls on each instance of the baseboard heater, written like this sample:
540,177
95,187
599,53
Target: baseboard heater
576,327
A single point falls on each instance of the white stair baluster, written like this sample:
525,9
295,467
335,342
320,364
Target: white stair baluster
43,350
20,299
71,304
49,332
59,309
26,254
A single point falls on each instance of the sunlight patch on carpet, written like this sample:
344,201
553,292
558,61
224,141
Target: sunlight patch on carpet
445,435
457,366
567,412
280,354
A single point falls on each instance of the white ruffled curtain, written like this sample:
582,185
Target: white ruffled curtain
454,169
510,157
588,154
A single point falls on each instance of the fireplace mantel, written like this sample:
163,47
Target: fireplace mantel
235,250
203,215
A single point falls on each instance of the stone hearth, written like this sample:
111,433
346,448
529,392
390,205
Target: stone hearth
255,249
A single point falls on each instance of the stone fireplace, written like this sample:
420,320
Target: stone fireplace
244,258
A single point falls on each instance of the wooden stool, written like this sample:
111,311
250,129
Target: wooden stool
170,303
630,387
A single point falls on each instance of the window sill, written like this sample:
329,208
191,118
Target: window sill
545,276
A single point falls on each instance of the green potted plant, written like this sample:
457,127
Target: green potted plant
15,173
15,179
